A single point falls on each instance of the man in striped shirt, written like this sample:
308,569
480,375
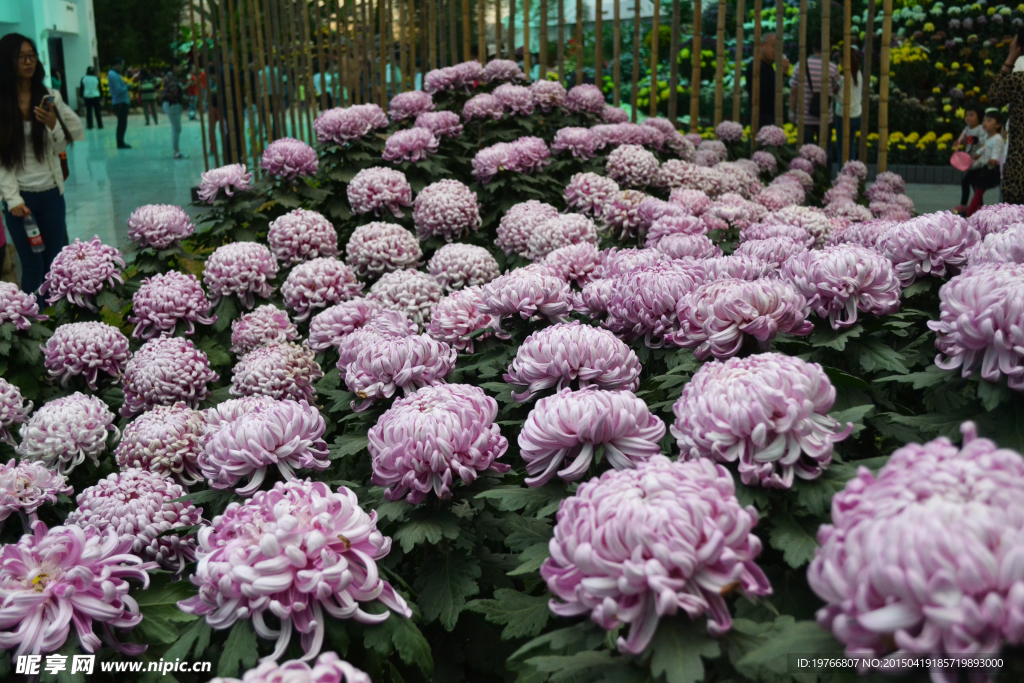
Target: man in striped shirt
812,118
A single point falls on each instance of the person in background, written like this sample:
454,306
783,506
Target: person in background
91,95
171,98
985,173
35,127
766,96
119,100
856,92
1008,91
812,91
972,138
192,91
148,94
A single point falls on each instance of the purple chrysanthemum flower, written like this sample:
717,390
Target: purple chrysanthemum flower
289,158
765,161
516,99
329,668
457,316
518,224
562,230
52,579
857,169
446,208
166,441
159,225
568,427
763,231
406,363
587,192
244,269
865,234
673,225
919,559
631,166
27,486
483,106
66,431
530,154
137,505
315,550
768,413
440,80
18,307
410,104
609,555
774,250
412,145
340,126
580,142
229,179
378,190
376,248
682,245
164,371
738,266
527,294
387,324
426,440
593,300
1006,246
280,371
164,299
729,131
694,202
288,434
455,266
706,158
926,245
85,349
585,99
893,181
996,218
301,235
676,173
653,209
780,196
643,300
814,154
812,220
613,114
410,291
548,95
267,324
801,164
319,283
501,70
80,270
716,146
329,326
561,354
443,124
621,213
14,410
848,211
771,136
576,262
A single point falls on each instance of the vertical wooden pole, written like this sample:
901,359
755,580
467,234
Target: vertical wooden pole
616,53
655,34
695,78
195,54
780,55
883,88
366,31
800,85
847,81
512,30
635,85
673,65
432,30
354,67
245,89
310,91
755,73
526,39
266,126
543,39
579,41
865,98
561,41
598,45
481,32
720,63
442,38
453,32
319,26
337,50
467,37
280,73
293,69
497,29
382,51
393,65
258,131
239,155
826,53
737,74
403,34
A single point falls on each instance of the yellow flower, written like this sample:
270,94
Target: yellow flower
939,66
936,90
946,137
941,147
947,108
913,137
872,137
921,145
901,146
895,135
991,11
954,66
988,62
929,27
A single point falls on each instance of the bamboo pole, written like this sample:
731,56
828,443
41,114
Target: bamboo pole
755,74
238,155
393,66
695,75
883,88
826,61
293,70
366,30
655,34
497,29
579,41
847,81
561,41
309,94
543,39
355,69
466,32
195,53
512,30
382,50
481,32
737,75
526,38
337,52
432,29
282,82
256,128
636,61
599,45
616,53
442,40
720,63
403,36
453,32
780,55
266,128
865,98
320,54
800,85
673,65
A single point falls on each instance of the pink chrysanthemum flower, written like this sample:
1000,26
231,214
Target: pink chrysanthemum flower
376,248
166,441
518,224
384,325
780,196
164,371
288,434
609,560
919,559
164,299
329,668
159,225
643,301
667,226
716,146
587,192
297,551
694,202
996,218
244,269
66,431
848,211
378,190
560,231
27,486
797,176
893,181
483,106
681,245
405,363
652,208
14,410
409,105
527,295
530,154
865,234
576,262
631,166
18,307
593,300
801,164
280,371
80,270
501,70
621,213
856,169
585,99
137,506
771,136
289,158
341,126
426,440
813,220
580,142
774,250
768,413
566,429
446,209
229,179
330,325
926,245
815,154
516,99
729,131
613,114
301,235
561,354
548,95
440,80
737,266
85,349
765,161
443,124
411,144
267,324
410,291
457,316
455,266
53,578
1006,246
490,161
319,283
718,317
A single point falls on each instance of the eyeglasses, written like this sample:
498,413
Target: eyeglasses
28,59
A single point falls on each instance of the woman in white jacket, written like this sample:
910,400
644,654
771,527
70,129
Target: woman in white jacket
35,127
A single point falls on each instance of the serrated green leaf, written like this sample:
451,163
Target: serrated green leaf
427,530
159,608
523,615
502,392
934,424
571,667
195,634
202,497
531,559
525,532
226,311
583,636
677,649
240,650
775,644
393,509
348,444
873,355
527,499
835,339
853,415
216,354
932,376
845,379
922,285
991,395
444,583
398,633
796,543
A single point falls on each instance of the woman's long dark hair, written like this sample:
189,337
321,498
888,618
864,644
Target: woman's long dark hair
12,131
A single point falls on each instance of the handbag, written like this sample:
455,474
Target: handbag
960,161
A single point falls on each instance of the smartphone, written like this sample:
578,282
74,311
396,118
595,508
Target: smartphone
47,102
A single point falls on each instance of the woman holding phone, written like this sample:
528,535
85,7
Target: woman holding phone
35,127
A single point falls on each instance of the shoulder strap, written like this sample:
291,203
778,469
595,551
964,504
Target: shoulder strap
810,81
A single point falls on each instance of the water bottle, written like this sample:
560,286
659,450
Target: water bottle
35,239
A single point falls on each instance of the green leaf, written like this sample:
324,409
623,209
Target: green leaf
240,650
677,649
525,532
397,632
583,636
835,339
932,376
428,530
572,667
773,645
933,424
527,499
197,633
108,299
795,542
991,395
214,352
348,444
443,584
159,607
226,311
531,559
873,355
502,392
845,380
855,415
523,615
922,285
393,509
202,497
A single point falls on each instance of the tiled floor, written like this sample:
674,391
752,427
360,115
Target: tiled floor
931,198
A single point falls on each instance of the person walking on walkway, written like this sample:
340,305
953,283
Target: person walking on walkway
766,97
1008,91
149,94
810,74
171,98
35,127
91,95
856,108
119,100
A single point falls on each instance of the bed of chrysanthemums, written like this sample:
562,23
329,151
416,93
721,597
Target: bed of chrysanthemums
498,386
